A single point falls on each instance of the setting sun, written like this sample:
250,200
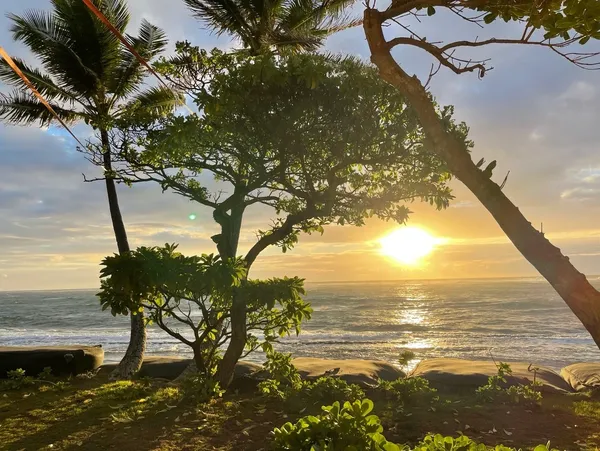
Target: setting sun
408,245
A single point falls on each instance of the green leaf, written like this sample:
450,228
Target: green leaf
489,18
584,40
366,407
430,10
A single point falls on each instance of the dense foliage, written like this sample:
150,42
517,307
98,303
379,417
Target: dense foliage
351,427
284,383
197,292
321,140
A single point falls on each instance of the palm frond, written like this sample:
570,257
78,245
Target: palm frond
154,102
21,107
326,16
151,41
42,82
49,39
128,75
334,16
295,41
225,16
289,25
90,38
115,11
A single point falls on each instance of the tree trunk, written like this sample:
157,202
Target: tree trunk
228,244
581,297
132,361
237,343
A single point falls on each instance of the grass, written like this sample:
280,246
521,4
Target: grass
152,415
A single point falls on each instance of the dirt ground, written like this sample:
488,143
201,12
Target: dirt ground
97,414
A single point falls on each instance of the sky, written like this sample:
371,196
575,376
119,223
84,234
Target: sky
535,113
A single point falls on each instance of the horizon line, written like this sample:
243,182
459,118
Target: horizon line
330,282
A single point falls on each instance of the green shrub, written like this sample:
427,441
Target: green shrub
352,428
462,443
17,380
46,374
201,388
283,376
495,389
407,390
347,428
285,384
330,389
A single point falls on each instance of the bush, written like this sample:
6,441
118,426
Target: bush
407,390
17,380
330,389
201,388
352,428
172,288
347,428
285,384
462,443
495,389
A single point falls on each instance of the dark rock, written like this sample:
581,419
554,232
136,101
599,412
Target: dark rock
64,360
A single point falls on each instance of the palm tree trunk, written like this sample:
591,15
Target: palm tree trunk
132,361
581,297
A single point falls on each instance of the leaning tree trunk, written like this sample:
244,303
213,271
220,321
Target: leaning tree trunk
581,297
132,361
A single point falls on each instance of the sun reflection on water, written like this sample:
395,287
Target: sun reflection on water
413,317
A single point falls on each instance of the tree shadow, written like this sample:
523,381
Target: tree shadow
84,418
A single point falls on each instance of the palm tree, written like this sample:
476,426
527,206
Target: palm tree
88,75
279,25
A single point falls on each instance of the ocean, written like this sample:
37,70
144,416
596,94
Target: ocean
509,319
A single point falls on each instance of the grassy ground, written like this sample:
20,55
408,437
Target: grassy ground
151,415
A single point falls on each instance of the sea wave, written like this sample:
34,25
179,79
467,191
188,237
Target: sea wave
516,319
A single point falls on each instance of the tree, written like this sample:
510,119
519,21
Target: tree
556,25
319,140
279,26
197,292
88,75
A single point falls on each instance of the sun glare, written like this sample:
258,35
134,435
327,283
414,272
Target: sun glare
408,245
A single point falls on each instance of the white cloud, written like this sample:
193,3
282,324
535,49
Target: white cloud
580,91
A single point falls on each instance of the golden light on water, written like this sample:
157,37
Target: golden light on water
409,245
